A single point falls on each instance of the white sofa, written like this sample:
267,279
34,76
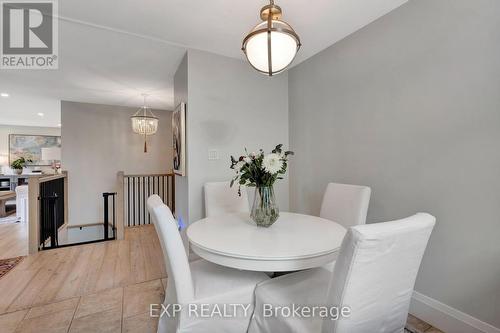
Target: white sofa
22,203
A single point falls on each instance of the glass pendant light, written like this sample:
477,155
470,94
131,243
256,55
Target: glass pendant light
144,122
272,45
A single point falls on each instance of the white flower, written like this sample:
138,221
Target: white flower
272,163
239,165
255,154
247,159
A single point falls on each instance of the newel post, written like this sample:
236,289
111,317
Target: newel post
33,213
120,232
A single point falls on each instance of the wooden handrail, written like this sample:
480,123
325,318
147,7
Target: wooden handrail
151,175
48,178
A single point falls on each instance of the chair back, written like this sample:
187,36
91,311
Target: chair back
221,198
22,212
345,204
375,274
156,201
180,287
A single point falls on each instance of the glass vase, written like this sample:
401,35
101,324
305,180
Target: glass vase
264,209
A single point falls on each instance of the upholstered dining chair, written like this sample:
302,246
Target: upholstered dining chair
373,280
194,284
22,203
220,198
345,204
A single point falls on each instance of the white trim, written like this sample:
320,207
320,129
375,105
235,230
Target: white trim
447,318
142,36
120,31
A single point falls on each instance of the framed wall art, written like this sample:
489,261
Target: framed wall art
179,139
30,147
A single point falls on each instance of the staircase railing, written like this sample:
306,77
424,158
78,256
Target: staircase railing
48,210
133,190
107,226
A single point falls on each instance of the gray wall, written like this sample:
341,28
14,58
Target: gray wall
181,183
230,107
410,105
97,142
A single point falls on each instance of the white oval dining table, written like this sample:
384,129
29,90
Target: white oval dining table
293,242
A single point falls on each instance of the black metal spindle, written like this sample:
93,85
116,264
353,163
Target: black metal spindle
139,201
157,185
133,199
128,201
153,185
144,200
163,188
114,217
106,196
149,194
54,242
106,215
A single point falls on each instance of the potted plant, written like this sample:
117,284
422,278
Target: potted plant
261,171
20,163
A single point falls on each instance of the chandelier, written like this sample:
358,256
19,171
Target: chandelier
272,45
144,122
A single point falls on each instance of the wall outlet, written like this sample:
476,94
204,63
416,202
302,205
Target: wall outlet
213,154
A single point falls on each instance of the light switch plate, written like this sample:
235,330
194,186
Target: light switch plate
213,154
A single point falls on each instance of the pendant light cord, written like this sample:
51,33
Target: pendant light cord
144,96
145,114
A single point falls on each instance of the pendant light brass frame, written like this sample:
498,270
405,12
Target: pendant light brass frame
271,13
271,10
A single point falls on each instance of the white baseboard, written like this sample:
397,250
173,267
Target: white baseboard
446,318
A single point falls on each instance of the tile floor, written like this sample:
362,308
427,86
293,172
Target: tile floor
122,309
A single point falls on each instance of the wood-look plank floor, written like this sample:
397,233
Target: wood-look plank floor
13,240
100,287
60,274
415,325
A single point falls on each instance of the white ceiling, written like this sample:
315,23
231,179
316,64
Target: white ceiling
219,26
112,51
101,66
23,110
